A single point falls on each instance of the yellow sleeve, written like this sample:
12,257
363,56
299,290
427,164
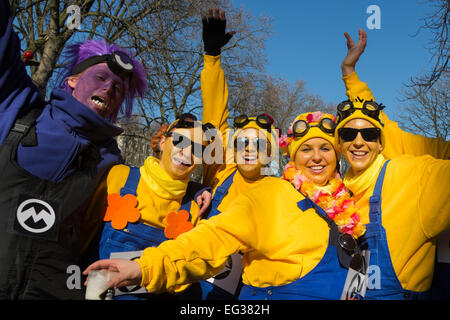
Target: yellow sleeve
214,93
215,111
434,193
398,141
355,88
201,252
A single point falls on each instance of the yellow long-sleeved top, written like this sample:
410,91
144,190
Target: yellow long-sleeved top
415,209
215,96
415,196
280,242
398,142
157,193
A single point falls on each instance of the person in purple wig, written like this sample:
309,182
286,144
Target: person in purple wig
129,83
54,155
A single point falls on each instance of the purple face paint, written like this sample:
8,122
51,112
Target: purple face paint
100,90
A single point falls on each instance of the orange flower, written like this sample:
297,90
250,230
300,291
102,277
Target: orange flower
177,223
121,210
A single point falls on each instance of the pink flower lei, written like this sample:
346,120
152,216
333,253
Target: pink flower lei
334,199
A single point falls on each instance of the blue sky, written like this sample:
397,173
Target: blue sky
308,44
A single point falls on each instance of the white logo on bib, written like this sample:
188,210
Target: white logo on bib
33,221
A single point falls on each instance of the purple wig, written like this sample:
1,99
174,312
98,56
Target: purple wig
76,53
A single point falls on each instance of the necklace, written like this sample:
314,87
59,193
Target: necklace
334,198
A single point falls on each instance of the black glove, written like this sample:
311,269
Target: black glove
214,36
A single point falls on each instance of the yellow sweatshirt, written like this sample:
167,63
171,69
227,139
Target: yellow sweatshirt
157,193
415,196
280,242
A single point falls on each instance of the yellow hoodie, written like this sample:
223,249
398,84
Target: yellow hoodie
280,242
415,196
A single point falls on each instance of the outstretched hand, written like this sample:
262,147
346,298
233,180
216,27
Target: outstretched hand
214,36
128,272
354,51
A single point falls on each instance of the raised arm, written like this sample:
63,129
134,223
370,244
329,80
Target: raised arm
17,92
213,83
398,141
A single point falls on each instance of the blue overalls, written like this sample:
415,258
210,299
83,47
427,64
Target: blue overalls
325,281
383,282
136,237
209,290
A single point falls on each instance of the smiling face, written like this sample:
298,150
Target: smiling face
178,161
359,152
250,160
99,89
316,159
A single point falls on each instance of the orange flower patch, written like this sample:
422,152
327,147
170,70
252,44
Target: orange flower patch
177,223
121,210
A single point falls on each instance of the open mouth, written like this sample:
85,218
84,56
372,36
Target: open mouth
250,158
179,162
99,101
359,154
317,168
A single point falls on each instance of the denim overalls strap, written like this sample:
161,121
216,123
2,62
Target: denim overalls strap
325,281
209,290
383,282
219,194
132,182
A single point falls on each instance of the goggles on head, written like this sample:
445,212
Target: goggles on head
369,108
263,121
189,121
118,62
301,127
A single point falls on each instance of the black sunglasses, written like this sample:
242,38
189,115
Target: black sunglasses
241,143
263,121
368,134
301,127
182,142
369,108
189,121
348,243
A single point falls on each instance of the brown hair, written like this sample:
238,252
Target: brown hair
156,139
